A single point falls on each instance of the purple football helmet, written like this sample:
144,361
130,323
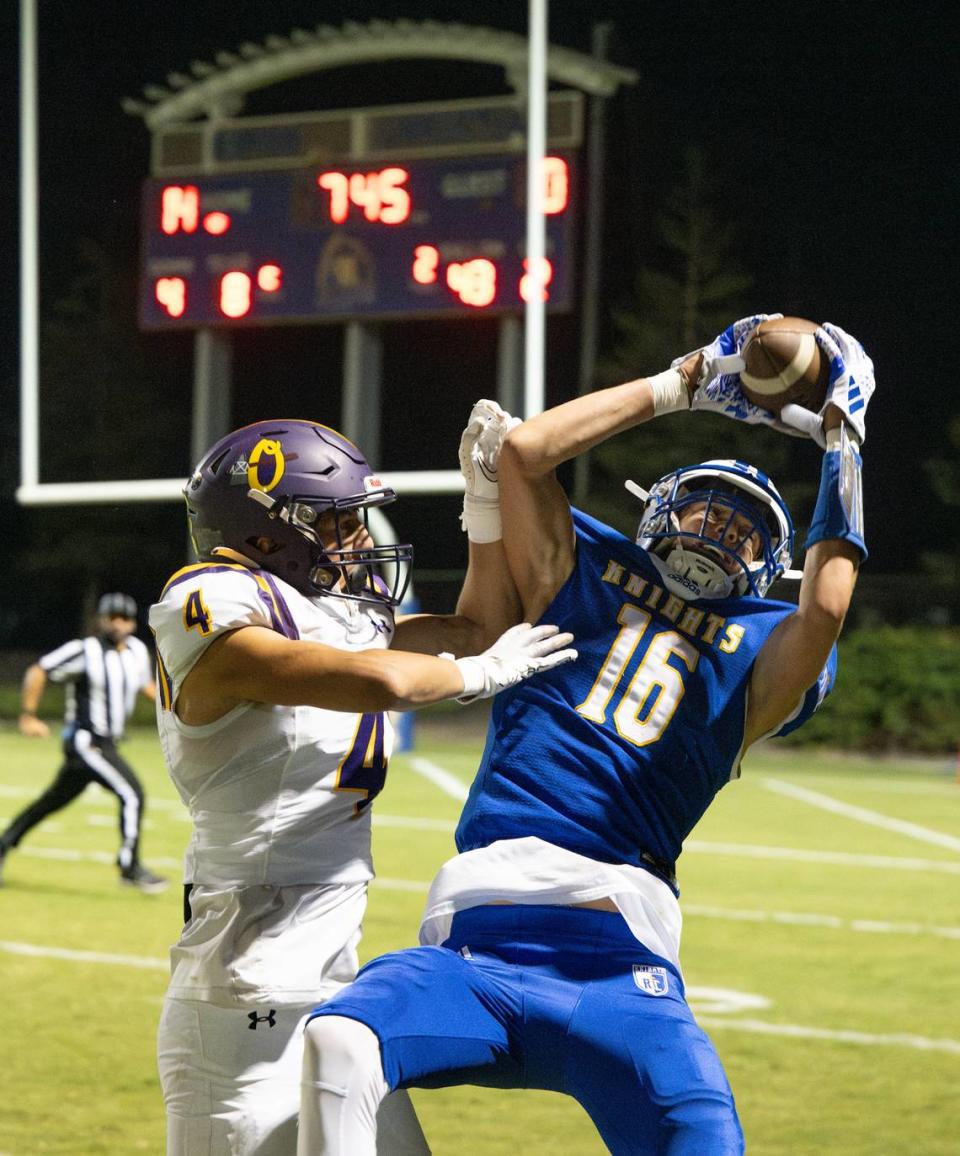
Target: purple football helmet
261,491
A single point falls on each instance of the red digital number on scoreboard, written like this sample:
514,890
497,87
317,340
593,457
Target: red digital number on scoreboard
380,195
443,254
474,282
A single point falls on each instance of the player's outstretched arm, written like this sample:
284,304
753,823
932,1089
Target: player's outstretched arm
255,664
488,603
537,525
797,651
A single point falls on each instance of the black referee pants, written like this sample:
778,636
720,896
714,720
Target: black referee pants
88,758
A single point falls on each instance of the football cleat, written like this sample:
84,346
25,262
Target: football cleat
144,880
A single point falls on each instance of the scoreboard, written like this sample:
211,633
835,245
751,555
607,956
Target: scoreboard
419,237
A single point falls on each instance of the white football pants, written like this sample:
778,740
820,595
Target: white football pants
346,1108
232,1084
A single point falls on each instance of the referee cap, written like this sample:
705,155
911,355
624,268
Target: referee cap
121,604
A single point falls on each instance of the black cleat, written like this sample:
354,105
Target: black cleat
144,880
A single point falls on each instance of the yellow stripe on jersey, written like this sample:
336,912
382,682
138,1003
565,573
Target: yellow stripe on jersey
268,590
166,684
197,567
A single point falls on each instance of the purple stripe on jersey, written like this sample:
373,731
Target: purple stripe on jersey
288,627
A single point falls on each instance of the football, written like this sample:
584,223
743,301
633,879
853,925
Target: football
783,364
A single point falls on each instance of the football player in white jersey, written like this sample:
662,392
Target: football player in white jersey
278,659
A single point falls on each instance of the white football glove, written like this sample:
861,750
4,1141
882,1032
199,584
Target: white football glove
718,388
479,452
518,653
852,382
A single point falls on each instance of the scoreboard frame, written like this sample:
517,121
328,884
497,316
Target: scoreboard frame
362,240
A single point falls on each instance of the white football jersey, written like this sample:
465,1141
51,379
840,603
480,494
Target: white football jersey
277,794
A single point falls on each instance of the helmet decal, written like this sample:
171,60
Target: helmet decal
270,449
291,497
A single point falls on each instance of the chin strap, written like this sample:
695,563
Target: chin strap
690,573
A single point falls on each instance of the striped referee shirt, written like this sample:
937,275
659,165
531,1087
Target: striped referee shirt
102,681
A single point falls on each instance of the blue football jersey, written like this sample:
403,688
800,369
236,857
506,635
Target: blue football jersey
617,755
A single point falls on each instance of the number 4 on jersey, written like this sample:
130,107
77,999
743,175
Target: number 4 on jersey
196,616
364,766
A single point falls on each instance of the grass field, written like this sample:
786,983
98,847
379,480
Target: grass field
821,952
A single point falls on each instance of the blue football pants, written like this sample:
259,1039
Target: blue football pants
558,998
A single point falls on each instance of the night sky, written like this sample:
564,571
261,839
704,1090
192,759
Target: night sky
826,125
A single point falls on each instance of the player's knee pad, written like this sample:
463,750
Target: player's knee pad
339,1052
342,1088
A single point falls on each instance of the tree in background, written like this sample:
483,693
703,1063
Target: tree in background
943,474
692,289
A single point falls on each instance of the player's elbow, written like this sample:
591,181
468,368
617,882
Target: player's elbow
398,688
522,452
823,619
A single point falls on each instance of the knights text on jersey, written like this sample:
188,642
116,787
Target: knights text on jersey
617,755
277,794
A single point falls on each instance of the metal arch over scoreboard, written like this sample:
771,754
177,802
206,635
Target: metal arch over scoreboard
368,239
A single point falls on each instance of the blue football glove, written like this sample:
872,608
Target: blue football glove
852,382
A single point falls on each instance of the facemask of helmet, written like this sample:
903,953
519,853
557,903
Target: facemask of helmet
264,491
739,501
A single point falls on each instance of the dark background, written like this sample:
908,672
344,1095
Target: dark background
826,128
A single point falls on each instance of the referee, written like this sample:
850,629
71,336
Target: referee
103,674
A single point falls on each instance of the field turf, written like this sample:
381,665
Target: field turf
821,952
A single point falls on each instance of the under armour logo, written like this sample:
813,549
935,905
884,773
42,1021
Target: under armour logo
255,1019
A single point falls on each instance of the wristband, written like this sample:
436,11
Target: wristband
481,519
669,392
839,509
474,679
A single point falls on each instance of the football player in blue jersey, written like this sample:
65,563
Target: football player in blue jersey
550,944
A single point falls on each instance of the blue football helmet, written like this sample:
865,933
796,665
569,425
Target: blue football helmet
260,493
696,564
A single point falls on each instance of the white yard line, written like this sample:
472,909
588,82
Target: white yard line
449,784
831,858
867,1039
445,825
948,787
64,953
63,854
693,847
695,995
413,885
862,815
810,919
93,796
